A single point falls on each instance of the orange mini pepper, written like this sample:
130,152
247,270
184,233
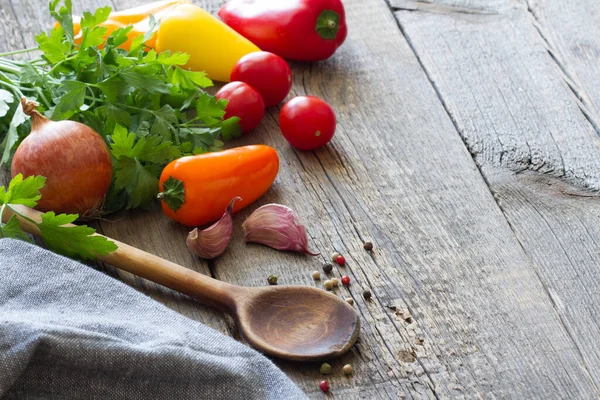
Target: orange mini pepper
195,190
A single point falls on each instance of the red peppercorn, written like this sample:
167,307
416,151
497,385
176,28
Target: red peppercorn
324,386
345,280
340,260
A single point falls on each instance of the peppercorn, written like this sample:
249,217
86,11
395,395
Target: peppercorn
341,261
367,295
347,369
327,268
328,284
345,280
272,279
325,368
335,281
368,246
334,256
324,386
350,301
316,275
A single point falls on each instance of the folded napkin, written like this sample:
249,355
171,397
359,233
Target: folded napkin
68,331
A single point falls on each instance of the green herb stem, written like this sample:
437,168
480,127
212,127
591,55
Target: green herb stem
11,53
97,99
8,68
1,223
15,89
60,63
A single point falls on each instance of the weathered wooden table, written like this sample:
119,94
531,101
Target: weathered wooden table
467,151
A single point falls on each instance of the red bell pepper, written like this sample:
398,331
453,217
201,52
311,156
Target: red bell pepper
302,30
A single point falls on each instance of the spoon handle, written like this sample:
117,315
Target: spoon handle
128,258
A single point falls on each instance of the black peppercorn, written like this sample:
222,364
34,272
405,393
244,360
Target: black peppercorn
367,294
368,246
327,267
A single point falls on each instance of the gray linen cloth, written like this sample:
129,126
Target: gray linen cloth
68,331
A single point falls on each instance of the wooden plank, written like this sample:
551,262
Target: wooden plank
571,31
458,309
531,136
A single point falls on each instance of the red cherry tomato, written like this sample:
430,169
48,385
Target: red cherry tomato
266,72
244,102
307,122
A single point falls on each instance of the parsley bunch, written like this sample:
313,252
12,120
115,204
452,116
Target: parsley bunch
147,107
71,241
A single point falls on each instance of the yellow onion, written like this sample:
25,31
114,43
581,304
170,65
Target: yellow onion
73,158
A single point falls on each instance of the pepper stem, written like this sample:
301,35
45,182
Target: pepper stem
328,24
173,193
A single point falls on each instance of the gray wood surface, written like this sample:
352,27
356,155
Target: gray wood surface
464,153
525,105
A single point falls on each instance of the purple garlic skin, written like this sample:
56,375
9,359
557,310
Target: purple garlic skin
276,226
211,242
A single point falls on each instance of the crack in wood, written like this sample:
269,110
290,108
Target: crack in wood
585,103
437,8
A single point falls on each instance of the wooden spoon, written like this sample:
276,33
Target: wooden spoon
299,323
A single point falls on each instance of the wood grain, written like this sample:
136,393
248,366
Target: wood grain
528,127
461,305
447,268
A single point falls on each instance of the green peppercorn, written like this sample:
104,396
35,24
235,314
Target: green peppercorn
327,268
272,279
368,246
367,294
325,368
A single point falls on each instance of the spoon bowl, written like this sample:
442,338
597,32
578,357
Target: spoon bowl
299,323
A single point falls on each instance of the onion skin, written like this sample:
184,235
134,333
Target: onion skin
73,158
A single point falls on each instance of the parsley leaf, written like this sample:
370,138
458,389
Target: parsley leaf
209,109
230,128
90,20
93,37
164,122
72,241
64,16
23,191
144,78
12,136
55,50
6,98
12,229
136,169
71,99
139,183
29,74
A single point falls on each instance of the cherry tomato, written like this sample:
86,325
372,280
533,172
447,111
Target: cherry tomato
307,122
266,72
244,102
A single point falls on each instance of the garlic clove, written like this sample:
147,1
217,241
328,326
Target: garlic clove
212,241
276,226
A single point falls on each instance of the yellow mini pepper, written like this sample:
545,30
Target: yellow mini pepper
213,46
